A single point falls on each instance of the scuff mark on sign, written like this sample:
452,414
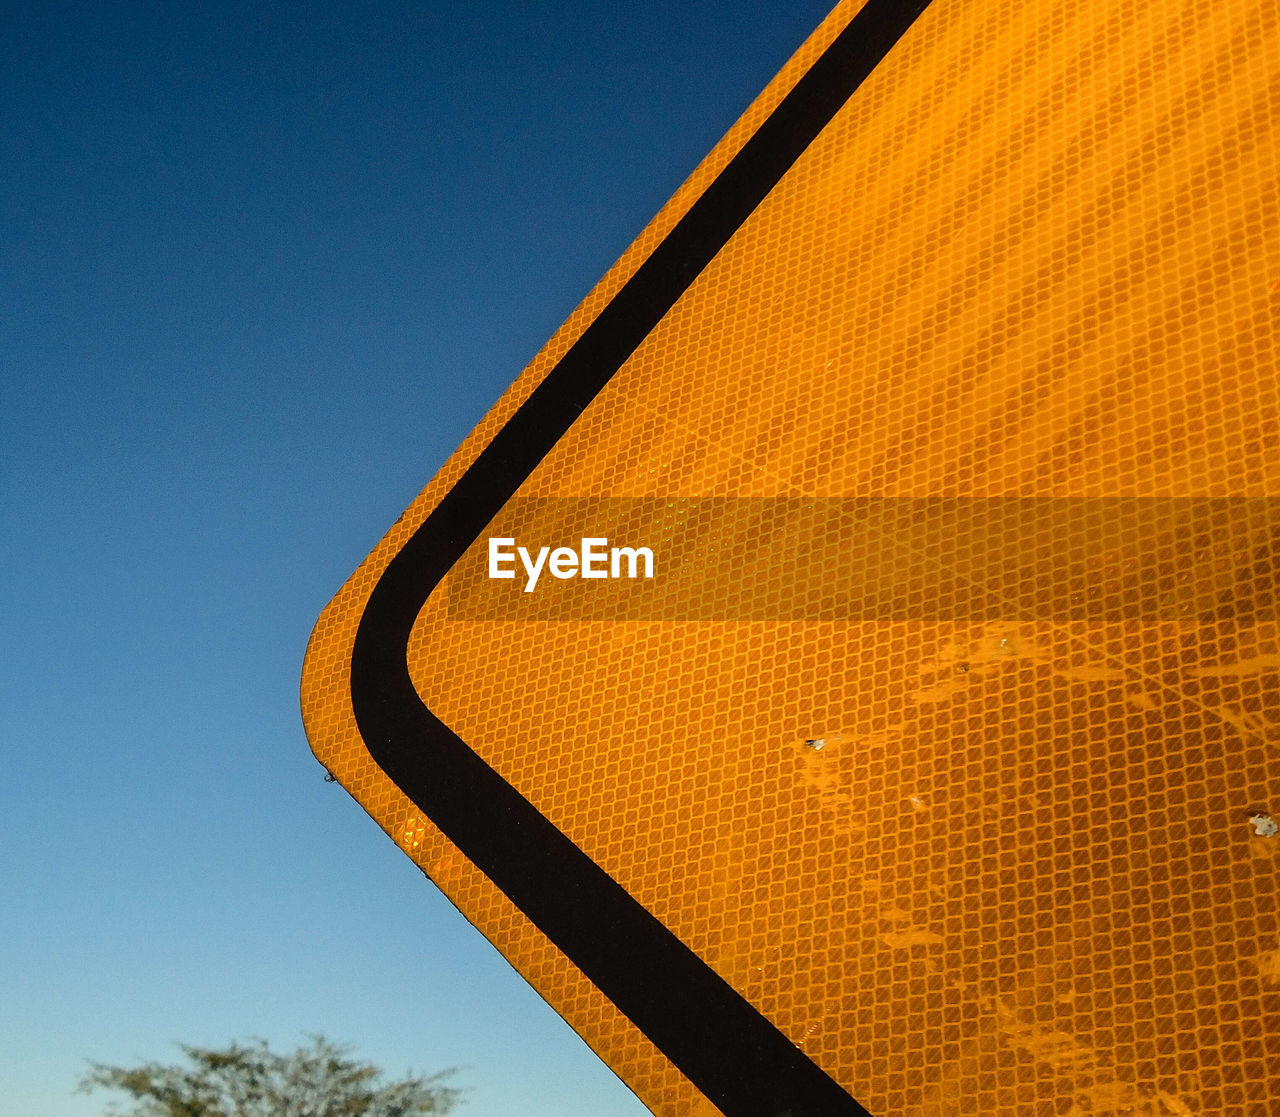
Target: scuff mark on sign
916,936
1269,966
1174,1105
955,665
821,759
1249,724
1254,666
1091,673
891,913
1058,1049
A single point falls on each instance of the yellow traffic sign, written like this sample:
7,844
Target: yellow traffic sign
841,672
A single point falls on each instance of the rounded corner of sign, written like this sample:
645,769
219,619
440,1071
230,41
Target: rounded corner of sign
323,696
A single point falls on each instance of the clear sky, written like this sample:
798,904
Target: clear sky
263,268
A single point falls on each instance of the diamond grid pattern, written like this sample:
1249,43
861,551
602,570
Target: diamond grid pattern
968,868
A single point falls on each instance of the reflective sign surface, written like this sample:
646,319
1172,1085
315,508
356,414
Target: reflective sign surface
944,863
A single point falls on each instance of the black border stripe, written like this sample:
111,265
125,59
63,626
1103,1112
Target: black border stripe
734,1055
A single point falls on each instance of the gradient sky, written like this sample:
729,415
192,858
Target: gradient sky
263,267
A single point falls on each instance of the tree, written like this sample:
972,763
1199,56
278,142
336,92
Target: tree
251,1080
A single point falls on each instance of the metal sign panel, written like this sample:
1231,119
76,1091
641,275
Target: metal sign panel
934,765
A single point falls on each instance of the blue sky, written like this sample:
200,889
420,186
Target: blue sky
263,268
